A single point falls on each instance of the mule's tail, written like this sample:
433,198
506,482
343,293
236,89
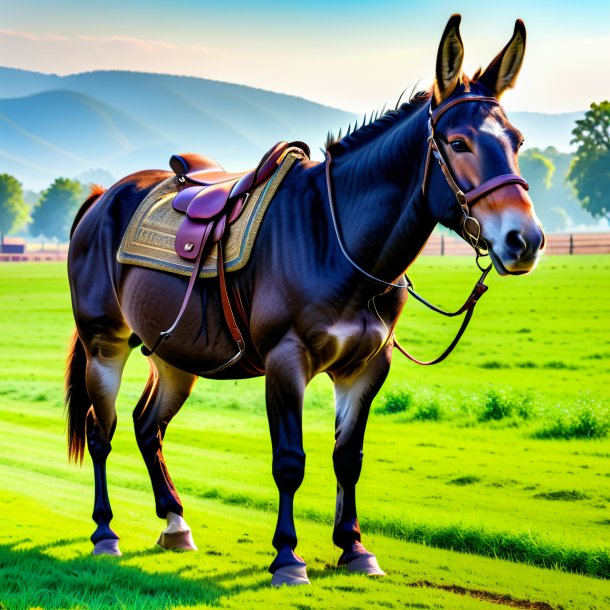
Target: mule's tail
77,399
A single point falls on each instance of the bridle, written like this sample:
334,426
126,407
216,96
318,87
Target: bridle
471,229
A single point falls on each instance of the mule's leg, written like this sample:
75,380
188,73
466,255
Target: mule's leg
107,353
166,391
353,397
286,378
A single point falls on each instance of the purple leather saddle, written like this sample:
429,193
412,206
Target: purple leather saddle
212,199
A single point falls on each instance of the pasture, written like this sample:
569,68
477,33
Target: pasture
485,480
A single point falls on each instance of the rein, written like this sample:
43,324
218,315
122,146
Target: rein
471,229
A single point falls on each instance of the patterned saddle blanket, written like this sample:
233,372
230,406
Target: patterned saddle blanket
151,235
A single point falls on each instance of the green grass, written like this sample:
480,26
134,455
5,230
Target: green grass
500,453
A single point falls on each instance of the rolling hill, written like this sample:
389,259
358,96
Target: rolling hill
120,122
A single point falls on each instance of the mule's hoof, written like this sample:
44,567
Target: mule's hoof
177,541
291,575
107,547
365,564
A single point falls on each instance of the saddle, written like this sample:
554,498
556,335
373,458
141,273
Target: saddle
211,199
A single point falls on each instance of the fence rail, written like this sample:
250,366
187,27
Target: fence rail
443,245
14,257
556,243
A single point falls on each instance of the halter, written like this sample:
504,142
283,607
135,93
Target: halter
471,229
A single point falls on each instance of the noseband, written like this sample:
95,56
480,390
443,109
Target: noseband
471,229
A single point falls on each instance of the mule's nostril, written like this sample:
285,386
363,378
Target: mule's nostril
516,243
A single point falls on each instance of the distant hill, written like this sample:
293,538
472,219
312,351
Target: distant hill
124,121
19,83
113,122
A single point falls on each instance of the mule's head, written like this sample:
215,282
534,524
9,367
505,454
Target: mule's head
479,147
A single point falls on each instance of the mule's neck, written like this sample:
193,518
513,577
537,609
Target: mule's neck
383,215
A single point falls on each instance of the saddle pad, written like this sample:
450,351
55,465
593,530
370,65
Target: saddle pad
150,236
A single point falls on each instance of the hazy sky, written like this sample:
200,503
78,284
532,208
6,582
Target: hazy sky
354,55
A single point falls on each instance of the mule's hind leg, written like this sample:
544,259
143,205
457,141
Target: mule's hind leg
353,397
107,352
166,390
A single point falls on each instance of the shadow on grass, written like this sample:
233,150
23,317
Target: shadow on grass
31,578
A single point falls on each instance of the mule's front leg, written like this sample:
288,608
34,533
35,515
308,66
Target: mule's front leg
353,397
286,377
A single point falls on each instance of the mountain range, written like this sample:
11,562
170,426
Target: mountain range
105,124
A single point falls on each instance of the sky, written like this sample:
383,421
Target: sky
355,55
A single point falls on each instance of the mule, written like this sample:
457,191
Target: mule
322,292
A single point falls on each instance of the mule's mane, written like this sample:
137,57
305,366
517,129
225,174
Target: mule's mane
378,122
95,192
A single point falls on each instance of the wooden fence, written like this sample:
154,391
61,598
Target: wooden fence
438,245
33,256
556,243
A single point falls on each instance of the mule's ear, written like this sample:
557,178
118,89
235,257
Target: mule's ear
449,60
502,72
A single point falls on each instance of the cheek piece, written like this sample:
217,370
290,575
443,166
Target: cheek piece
471,229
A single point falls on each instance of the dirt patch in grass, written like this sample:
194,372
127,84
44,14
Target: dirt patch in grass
494,598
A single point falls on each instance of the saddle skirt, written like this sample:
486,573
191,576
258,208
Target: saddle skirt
150,238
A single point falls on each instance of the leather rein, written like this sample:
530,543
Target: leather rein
471,229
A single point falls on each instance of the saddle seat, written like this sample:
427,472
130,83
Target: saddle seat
212,199
197,169
187,163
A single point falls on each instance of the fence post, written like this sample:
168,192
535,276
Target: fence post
571,243
442,245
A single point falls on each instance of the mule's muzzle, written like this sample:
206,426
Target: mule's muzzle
519,251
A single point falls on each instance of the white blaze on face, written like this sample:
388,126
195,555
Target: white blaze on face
494,128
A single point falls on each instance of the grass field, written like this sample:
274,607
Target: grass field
486,478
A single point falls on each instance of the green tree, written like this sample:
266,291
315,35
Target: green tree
539,170
13,210
53,214
537,167
590,170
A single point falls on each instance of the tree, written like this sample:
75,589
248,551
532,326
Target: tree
53,214
13,210
557,205
590,170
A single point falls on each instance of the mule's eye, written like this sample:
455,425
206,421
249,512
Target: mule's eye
459,146
521,143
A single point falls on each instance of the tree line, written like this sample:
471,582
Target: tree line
588,173
52,215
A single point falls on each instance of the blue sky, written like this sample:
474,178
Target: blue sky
354,55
